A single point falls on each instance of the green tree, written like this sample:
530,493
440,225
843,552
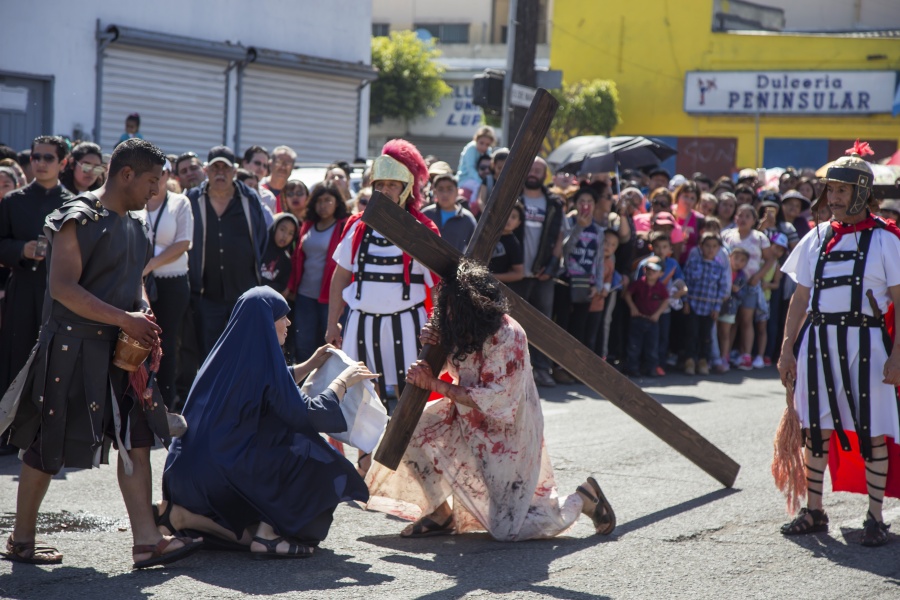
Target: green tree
585,108
409,83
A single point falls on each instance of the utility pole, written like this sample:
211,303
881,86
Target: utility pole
508,137
524,52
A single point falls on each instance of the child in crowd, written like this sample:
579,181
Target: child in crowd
467,172
647,299
770,281
728,315
603,305
506,262
275,267
673,279
132,128
706,292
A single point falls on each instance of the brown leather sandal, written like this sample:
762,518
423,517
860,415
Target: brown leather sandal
603,516
32,553
875,533
157,557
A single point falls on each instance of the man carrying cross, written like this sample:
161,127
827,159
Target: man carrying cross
482,444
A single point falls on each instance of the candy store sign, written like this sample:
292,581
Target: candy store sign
789,92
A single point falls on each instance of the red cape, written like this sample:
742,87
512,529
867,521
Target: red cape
848,469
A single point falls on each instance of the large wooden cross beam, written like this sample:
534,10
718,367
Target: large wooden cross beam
405,232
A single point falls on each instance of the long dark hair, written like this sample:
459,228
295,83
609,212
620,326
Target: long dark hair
323,189
470,309
67,177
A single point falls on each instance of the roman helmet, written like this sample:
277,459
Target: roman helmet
853,170
401,161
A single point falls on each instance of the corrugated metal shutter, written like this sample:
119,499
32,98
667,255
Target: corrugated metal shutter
313,114
181,99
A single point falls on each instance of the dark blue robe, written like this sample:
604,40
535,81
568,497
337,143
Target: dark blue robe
253,451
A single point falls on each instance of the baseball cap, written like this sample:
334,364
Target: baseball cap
439,168
664,218
443,176
221,154
659,171
653,265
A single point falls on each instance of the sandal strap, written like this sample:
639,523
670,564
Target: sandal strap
271,545
158,549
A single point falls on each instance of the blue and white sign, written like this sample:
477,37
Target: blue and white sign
789,92
456,117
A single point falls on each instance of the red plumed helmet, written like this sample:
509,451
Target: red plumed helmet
407,154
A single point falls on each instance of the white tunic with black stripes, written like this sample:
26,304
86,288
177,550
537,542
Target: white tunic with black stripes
381,298
882,271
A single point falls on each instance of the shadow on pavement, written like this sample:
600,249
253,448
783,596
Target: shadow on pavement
30,581
878,561
324,571
666,513
478,563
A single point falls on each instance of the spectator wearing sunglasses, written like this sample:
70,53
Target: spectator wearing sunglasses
22,214
84,171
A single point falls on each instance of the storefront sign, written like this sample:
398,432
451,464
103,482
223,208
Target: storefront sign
789,92
456,117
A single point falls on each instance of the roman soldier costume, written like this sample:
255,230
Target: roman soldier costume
843,347
389,291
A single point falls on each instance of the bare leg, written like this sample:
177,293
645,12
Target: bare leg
876,476
182,518
762,337
136,492
745,322
724,333
815,473
33,485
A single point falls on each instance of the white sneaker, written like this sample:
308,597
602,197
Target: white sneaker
758,363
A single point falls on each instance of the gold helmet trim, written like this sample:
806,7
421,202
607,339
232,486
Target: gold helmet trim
386,168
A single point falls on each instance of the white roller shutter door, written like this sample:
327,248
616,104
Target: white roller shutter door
313,114
181,99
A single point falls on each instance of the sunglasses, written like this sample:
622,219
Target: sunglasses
47,158
95,170
362,201
295,194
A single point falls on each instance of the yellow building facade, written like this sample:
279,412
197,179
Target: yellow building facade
656,50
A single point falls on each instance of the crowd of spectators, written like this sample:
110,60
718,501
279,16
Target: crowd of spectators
654,272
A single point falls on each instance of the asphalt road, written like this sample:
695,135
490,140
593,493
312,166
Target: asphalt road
680,534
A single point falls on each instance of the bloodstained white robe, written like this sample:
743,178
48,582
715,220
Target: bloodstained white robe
491,461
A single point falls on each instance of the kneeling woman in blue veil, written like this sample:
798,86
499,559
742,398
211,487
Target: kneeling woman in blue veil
252,470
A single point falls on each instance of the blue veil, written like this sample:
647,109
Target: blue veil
253,451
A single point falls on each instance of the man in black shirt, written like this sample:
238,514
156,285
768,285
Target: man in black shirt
22,214
229,239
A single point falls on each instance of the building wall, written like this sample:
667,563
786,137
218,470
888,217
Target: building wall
647,54
836,15
67,48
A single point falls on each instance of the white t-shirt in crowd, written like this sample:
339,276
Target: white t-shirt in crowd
175,225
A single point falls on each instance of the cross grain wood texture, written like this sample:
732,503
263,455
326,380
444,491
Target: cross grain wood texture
503,196
437,255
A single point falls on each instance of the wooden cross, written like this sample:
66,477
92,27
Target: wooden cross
405,232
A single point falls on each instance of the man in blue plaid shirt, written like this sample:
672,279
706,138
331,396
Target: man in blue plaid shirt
708,287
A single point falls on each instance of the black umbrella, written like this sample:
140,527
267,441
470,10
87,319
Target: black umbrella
596,154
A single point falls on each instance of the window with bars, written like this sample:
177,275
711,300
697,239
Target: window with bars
447,33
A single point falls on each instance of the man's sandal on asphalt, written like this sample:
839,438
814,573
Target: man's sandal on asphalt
32,553
428,527
156,552
874,532
603,516
295,550
806,521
